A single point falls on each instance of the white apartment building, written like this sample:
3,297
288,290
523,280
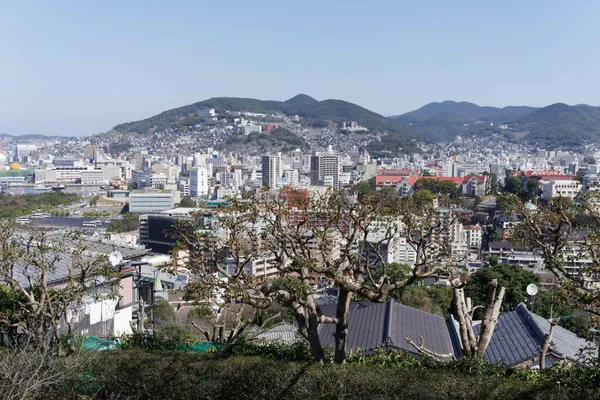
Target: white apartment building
226,192
248,129
149,201
271,171
291,177
474,236
322,166
199,182
264,266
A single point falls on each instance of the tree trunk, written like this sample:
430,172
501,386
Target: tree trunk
490,319
546,345
341,326
313,338
463,321
311,333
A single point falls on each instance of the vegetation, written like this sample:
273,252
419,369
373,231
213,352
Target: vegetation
280,372
95,214
130,222
94,200
187,202
278,137
18,205
302,105
513,277
393,144
560,125
434,300
440,188
557,125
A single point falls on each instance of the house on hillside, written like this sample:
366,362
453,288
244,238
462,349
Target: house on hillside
106,310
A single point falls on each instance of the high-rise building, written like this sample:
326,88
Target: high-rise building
325,167
271,171
291,176
199,182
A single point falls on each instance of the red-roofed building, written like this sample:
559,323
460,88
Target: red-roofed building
540,172
470,186
392,177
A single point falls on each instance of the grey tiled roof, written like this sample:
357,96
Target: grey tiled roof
283,333
519,334
374,325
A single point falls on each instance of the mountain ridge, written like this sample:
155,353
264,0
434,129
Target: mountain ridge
555,125
301,104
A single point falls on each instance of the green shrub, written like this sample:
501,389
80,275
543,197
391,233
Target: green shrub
168,375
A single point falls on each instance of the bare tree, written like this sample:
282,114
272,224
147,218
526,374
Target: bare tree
47,276
475,345
332,236
555,231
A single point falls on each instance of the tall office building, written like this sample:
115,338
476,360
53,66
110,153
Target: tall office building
199,182
325,170
271,171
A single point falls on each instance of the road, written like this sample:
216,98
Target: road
65,222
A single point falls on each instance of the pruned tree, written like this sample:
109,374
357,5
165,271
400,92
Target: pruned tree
47,277
295,239
554,232
475,345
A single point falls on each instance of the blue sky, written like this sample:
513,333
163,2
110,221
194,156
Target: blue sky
81,67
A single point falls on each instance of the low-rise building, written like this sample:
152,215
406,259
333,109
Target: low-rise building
149,201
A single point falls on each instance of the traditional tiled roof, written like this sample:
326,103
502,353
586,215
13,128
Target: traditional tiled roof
388,325
519,335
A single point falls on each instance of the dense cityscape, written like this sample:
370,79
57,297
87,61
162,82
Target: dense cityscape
275,245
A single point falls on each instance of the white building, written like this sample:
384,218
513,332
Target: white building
226,192
559,186
474,236
290,177
206,112
199,182
271,171
248,129
148,201
322,166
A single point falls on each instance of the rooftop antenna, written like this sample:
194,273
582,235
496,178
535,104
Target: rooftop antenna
532,290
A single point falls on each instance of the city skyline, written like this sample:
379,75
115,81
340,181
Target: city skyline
74,69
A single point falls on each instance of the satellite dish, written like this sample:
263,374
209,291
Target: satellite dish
115,258
532,289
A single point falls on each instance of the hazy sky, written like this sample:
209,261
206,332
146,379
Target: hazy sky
81,67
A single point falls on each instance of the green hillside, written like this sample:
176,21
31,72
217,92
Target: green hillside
561,125
557,125
302,105
441,122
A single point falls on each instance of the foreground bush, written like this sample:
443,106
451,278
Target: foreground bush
177,375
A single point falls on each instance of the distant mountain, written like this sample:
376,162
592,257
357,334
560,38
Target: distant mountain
33,137
557,125
302,105
465,112
562,125
440,122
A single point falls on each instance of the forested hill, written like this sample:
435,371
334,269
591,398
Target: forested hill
561,125
301,105
557,125
441,122
464,112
